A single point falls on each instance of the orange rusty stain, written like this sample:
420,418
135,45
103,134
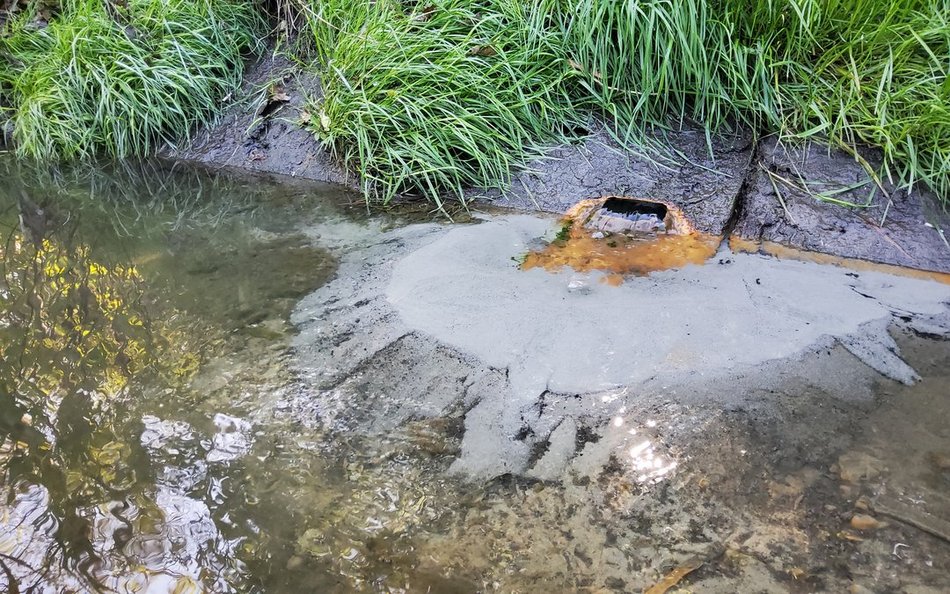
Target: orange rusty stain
619,254
740,245
770,248
612,279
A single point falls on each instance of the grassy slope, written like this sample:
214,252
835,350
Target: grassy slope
428,97
120,78
440,95
849,71
881,79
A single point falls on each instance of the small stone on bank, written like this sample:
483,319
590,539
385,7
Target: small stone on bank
941,460
854,467
862,504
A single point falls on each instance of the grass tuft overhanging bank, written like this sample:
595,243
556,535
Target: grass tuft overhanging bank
849,72
95,77
438,96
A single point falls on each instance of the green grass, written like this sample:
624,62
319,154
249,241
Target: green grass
413,108
663,63
434,97
120,79
850,72
429,97
881,79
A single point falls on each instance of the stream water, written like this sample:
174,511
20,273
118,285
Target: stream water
152,437
144,323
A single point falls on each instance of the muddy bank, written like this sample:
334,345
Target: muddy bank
262,130
762,192
263,134
889,226
705,186
536,337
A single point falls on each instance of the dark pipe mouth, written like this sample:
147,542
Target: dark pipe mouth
630,206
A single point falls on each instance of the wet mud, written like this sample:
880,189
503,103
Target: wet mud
802,196
779,250
812,198
263,129
774,476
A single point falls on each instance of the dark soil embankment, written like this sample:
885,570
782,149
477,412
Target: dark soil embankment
888,225
458,98
263,131
758,188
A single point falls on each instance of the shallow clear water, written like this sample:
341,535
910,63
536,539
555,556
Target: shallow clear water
157,435
143,320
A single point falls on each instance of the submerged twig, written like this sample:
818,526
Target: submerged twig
674,577
931,526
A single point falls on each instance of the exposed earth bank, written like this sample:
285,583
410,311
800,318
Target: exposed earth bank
764,192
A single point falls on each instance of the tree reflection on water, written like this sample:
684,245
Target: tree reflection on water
73,332
143,313
79,332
